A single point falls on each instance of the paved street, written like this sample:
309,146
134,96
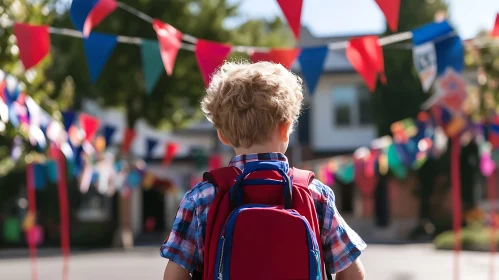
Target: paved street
383,262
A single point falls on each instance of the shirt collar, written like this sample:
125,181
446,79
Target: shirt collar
240,160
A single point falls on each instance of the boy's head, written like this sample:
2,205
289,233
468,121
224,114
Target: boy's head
253,105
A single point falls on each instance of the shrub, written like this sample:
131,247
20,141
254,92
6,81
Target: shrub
473,239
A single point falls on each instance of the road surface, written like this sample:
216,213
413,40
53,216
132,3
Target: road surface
382,262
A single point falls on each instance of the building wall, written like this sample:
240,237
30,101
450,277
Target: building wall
326,135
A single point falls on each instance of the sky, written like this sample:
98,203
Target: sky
344,17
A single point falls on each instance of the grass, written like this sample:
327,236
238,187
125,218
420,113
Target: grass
473,239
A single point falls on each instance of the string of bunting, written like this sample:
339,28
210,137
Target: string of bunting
85,141
364,53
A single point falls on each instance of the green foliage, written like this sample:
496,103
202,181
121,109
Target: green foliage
472,238
484,56
175,99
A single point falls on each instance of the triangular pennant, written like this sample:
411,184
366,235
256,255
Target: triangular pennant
33,42
79,11
425,62
495,30
90,125
450,54
169,40
210,55
292,11
285,57
152,65
391,10
151,144
98,47
312,64
68,118
127,140
171,149
98,13
366,56
108,132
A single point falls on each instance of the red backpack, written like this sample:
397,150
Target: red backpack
262,225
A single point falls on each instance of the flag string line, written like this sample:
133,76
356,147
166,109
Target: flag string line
190,44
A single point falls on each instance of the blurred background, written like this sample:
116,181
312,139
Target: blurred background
101,133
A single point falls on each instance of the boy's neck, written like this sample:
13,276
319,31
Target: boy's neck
260,149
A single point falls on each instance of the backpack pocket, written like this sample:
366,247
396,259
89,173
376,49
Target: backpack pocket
267,242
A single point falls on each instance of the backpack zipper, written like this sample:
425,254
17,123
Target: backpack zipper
221,265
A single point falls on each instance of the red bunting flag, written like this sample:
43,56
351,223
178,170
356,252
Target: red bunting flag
391,10
127,140
98,13
210,55
169,40
90,125
495,30
292,11
33,43
171,150
285,57
366,56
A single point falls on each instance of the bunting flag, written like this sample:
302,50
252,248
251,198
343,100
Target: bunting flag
431,56
128,140
285,57
151,144
292,11
171,149
152,64
68,118
169,40
391,10
450,54
495,29
98,13
98,47
425,61
312,64
451,93
366,56
108,132
79,11
40,176
33,43
210,55
90,125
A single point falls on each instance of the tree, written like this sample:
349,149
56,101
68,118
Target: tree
175,99
34,83
402,97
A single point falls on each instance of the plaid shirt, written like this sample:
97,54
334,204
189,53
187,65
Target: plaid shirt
184,246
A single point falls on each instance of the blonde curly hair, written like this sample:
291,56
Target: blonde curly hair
247,101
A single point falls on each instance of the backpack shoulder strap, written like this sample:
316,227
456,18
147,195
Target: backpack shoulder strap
302,178
223,178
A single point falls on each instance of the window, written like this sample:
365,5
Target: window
365,116
351,105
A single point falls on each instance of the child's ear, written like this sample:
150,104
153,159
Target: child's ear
223,139
285,131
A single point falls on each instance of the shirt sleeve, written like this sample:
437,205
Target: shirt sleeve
180,247
341,245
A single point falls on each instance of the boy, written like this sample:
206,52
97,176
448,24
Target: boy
254,108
